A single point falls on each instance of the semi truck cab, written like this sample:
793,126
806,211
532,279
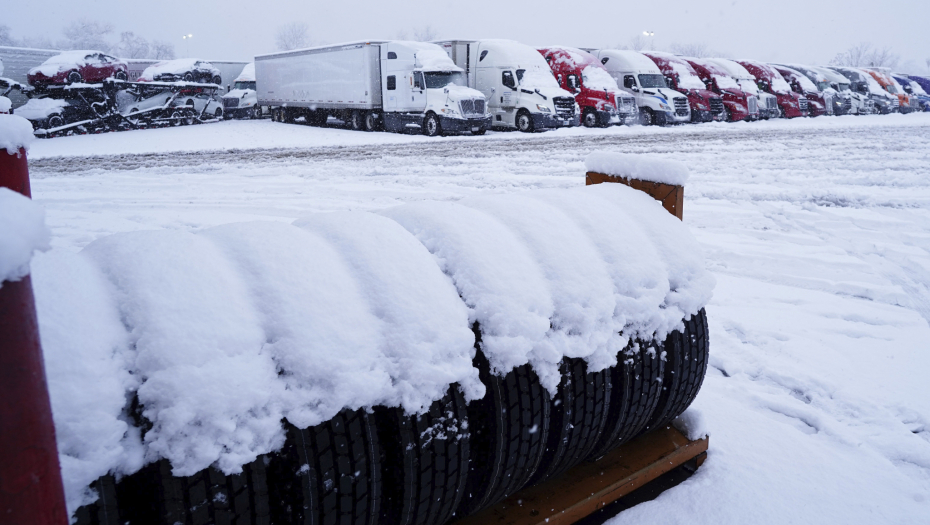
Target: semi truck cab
242,100
768,103
858,104
521,90
637,74
680,76
738,104
863,83
818,102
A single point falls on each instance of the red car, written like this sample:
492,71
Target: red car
737,104
680,76
769,80
77,67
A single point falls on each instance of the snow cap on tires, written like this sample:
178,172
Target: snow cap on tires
642,167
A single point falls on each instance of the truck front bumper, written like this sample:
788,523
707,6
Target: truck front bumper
459,125
548,120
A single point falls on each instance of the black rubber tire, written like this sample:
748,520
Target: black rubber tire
328,474
509,431
104,511
188,77
55,121
647,116
356,120
74,77
590,119
578,416
635,393
431,125
372,121
686,358
524,121
153,496
218,80
121,75
425,461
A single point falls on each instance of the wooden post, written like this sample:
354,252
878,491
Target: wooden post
671,196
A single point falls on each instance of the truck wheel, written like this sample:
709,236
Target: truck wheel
153,496
371,121
589,119
578,417
355,121
74,77
256,112
685,367
647,116
431,126
426,460
525,121
635,393
329,473
509,429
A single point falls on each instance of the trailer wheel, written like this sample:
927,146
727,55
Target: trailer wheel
356,121
371,121
431,125
154,496
509,430
635,393
525,121
589,119
578,417
686,364
176,118
425,461
330,473
74,77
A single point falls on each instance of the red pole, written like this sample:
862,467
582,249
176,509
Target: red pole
31,492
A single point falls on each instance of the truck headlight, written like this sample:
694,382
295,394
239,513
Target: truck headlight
543,108
665,107
448,111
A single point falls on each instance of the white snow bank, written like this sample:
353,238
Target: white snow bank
648,168
40,108
15,133
208,388
6,104
22,234
87,363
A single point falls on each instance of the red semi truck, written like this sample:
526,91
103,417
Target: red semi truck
738,105
818,102
790,104
706,105
601,101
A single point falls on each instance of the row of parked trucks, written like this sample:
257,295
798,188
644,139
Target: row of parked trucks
454,86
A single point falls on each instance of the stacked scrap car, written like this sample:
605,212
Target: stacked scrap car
182,70
680,76
77,67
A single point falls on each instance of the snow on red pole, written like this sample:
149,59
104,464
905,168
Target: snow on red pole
31,491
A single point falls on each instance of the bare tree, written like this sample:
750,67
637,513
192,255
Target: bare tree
6,39
696,50
88,34
292,36
864,55
161,50
132,46
637,43
425,34
884,58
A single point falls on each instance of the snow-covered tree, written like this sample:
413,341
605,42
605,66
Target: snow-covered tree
425,34
696,50
6,39
864,55
161,50
295,35
132,46
88,34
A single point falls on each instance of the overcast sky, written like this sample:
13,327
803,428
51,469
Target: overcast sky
788,30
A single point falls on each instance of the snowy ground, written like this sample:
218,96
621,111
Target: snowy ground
817,230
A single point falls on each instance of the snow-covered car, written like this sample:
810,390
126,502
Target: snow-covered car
202,102
75,107
76,67
242,99
182,69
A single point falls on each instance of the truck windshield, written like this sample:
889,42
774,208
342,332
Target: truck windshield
244,85
652,81
892,89
441,79
842,87
823,85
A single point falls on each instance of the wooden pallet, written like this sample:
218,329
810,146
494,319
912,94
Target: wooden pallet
592,485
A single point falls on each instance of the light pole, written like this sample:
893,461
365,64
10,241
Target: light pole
652,35
187,39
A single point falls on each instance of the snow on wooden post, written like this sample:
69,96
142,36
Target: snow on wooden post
30,475
663,180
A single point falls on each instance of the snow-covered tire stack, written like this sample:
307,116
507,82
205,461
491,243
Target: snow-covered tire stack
508,428
579,412
329,473
425,461
686,363
153,496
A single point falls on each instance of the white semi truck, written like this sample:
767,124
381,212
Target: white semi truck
242,99
397,86
521,89
639,75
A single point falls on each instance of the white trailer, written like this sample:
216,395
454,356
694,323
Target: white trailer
522,92
397,86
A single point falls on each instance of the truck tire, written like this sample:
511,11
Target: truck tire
371,121
255,113
525,121
329,473
356,120
578,415
104,511
647,116
425,461
431,125
589,119
635,393
687,353
509,429
153,496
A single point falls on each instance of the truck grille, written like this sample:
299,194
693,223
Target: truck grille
752,105
472,107
681,106
230,103
716,105
771,102
802,103
847,103
564,107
